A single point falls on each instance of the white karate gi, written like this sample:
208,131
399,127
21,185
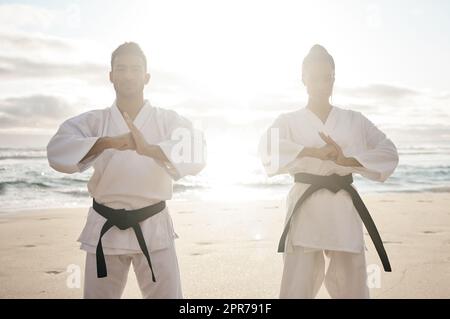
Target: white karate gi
125,179
326,221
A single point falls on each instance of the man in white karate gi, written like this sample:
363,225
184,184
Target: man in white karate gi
136,150
321,145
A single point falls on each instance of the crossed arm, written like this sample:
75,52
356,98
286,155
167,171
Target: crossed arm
134,140
330,151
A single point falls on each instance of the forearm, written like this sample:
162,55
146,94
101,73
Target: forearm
155,152
308,152
352,162
100,145
343,161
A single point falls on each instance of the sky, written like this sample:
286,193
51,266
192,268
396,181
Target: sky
230,66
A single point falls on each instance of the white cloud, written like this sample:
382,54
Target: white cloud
20,16
19,68
379,91
33,42
36,111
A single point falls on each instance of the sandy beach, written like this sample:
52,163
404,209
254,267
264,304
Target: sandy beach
228,250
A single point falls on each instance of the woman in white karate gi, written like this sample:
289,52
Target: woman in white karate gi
323,139
137,150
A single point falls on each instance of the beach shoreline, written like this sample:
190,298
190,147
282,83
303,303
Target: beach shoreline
228,249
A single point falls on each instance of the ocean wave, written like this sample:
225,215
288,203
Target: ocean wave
184,187
74,180
438,189
75,193
24,184
424,152
22,157
24,149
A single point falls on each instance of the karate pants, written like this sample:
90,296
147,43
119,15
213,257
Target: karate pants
304,273
165,266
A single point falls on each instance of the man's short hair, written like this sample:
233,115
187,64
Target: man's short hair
129,48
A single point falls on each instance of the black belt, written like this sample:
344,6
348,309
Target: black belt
334,183
124,219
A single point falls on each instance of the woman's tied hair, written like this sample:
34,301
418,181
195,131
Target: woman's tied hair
317,54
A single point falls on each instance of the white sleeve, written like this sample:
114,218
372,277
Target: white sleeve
184,147
276,149
73,140
380,157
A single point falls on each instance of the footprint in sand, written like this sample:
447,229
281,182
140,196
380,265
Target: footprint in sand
197,254
430,232
53,272
204,243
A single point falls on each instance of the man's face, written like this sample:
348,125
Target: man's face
128,74
319,80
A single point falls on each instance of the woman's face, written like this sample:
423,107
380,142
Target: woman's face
319,80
